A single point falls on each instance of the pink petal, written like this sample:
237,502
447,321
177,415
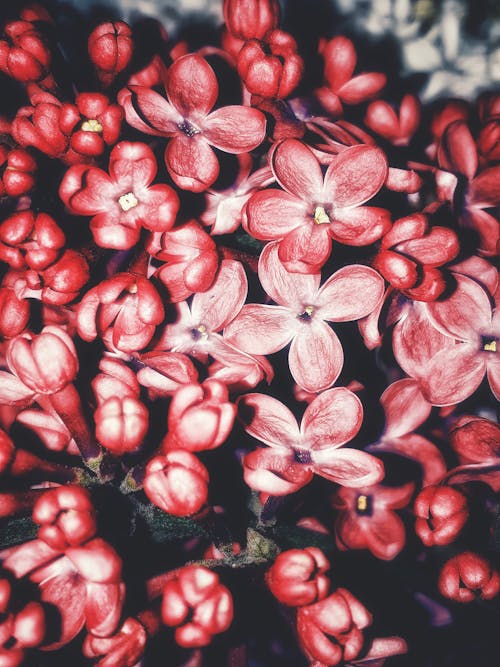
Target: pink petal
453,374
66,593
133,165
192,86
220,304
405,407
91,190
487,227
382,119
360,226
110,232
355,176
261,329
272,214
306,248
13,391
149,112
348,467
439,246
290,289
457,151
419,449
464,314
235,129
273,471
493,372
103,607
352,292
362,87
191,162
268,420
485,188
387,535
316,356
297,170
340,61
332,419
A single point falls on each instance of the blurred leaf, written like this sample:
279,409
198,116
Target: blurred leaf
292,537
16,531
164,527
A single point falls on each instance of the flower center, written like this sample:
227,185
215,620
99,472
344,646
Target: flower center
321,216
489,344
188,129
364,505
92,125
132,289
199,333
306,314
128,201
302,456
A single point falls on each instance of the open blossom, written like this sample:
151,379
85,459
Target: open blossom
122,201
314,209
331,420
455,346
186,117
302,315
366,518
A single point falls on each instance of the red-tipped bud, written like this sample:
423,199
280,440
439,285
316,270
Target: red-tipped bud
441,513
121,424
110,49
271,68
14,313
66,517
177,483
297,577
24,55
467,576
198,605
46,362
247,19
18,169
200,417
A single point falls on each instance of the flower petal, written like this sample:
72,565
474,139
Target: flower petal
386,536
297,170
360,226
191,162
316,356
235,129
355,176
268,420
272,214
348,467
404,406
352,292
290,289
306,248
332,419
149,112
273,471
261,329
220,304
192,86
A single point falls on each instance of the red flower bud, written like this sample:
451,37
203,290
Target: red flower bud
110,49
46,362
17,167
200,417
123,310
28,239
177,482
14,313
330,630
121,424
297,577
66,516
23,55
441,513
123,649
466,576
197,604
247,19
63,280
271,68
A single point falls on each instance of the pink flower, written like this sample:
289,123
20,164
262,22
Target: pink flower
316,356
122,201
187,117
366,519
396,128
332,419
314,209
457,344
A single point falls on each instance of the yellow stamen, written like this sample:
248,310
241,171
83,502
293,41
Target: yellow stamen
490,346
132,289
321,216
128,201
362,503
92,125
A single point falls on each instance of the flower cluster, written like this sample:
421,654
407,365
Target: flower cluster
249,349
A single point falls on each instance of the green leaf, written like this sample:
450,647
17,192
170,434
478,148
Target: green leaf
16,531
293,537
164,527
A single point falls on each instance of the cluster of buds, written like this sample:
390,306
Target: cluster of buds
242,285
